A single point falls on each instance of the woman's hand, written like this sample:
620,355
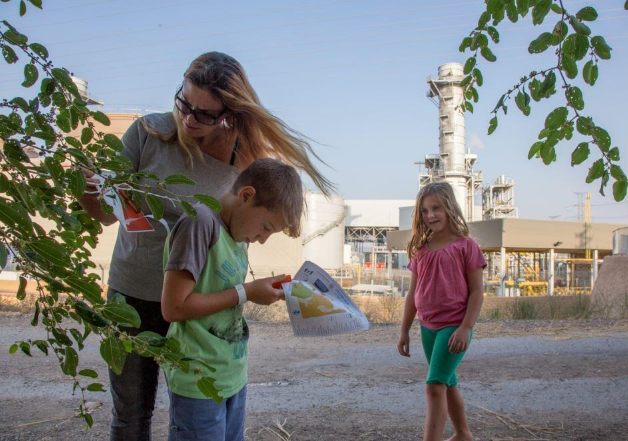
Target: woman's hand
261,291
403,346
459,340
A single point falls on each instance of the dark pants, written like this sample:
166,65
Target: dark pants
134,390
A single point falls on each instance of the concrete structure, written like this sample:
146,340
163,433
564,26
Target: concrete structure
323,230
498,199
525,251
452,163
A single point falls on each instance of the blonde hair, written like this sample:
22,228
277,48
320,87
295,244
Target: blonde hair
262,133
278,189
445,195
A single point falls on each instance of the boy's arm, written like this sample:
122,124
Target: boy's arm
459,340
179,302
409,313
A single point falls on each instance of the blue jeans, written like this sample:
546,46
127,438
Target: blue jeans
134,390
206,420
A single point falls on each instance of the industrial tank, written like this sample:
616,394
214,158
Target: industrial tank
323,230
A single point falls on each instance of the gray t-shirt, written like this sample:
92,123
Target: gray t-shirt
137,265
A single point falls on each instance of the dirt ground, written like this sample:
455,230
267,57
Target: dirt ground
524,380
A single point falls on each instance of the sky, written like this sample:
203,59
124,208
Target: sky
350,75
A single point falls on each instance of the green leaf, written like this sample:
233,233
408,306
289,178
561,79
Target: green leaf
70,361
578,26
492,125
580,154
22,8
63,122
466,42
557,9
484,19
541,43
574,97
88,373
569,66
581,46
156,205
206,386
77,183
21,289
89,315
13,349
9,54
619,190
466,80
51,251
39,50
539,12
587,14
617,173
601,48
556,118
585,125
189,210
469,65
14,215
90,290
30,75
178,179
4,255
548,153
535,149
122,314
114,142
63,77
511,12
86,135
101,118
468,106
95,387
602,138
488,55
112,351
596,171
477,74
613,154
523,6
590,72
15,37
493,33
36,3
21,103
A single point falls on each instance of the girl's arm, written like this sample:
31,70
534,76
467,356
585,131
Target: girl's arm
459,340
409,313
179,302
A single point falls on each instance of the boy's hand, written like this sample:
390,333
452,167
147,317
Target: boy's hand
404,344
459,340
261,291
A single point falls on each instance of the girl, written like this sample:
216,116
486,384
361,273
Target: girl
217,127
447,286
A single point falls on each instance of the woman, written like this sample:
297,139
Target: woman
217,128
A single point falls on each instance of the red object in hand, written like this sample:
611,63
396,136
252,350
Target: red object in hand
277,285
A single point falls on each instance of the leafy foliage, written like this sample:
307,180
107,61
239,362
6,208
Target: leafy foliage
578,52
45,142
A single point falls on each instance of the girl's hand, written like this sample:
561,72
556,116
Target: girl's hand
459,340
261,291
404,344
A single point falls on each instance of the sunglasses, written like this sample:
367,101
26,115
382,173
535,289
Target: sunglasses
202,117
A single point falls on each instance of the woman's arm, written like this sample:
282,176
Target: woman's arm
459,340
409,313
179,302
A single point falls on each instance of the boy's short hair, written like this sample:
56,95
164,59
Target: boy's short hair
278,188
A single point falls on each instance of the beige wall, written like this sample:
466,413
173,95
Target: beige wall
526,234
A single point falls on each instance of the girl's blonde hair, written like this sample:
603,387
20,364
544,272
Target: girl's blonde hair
263,134
445,194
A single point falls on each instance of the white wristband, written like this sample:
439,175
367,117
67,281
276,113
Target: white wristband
241,294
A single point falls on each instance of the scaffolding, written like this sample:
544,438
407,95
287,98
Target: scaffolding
498,199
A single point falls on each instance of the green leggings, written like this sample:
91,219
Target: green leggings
442,363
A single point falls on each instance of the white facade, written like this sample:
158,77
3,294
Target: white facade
323,230
374,212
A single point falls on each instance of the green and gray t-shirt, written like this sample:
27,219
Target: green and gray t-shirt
203,247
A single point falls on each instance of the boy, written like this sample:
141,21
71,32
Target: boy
203,294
